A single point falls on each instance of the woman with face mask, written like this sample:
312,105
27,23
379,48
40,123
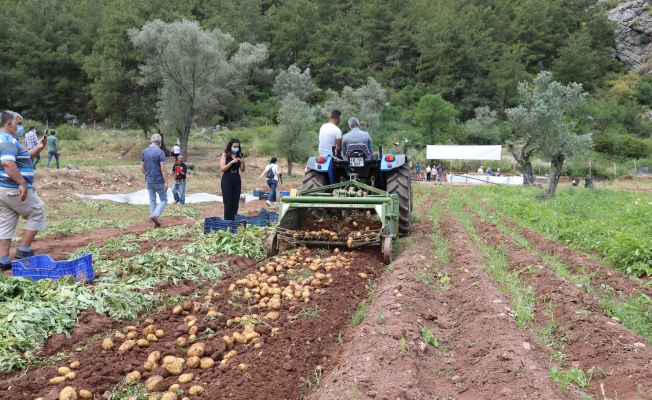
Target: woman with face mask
231,164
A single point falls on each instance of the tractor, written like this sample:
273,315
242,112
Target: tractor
370,191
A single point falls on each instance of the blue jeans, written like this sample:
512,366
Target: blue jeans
36,160
154,189
179,191
272,183
56,157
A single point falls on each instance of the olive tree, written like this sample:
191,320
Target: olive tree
366,103
538,123
201,71
294,136
293,81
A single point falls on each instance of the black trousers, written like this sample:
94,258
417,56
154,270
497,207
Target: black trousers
231,187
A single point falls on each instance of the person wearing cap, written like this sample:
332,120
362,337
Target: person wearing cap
498,172
152,164
355,136
17,195
272,173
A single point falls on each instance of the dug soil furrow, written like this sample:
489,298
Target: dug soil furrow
573,328
281,358
487,353
474,350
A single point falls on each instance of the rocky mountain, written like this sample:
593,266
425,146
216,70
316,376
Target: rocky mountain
633,33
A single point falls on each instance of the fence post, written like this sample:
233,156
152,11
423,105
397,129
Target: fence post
615,175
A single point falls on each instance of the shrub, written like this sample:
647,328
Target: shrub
67,132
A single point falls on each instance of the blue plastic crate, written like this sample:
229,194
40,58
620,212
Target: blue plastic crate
219,224
273,217
259,220
42,267
258,192
263,196
284,192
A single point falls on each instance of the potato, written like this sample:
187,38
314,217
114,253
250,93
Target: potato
74,365
131,328
197,350
68,393
71,376
58,380
151,338
196,390
185,378
192,337
148,321
181,341
257,346
177,310
152,381
149,330
143,343
206,363
150,366
189,318
336,251
159,333
251,335
243,367
186,305
169,396
229,342
193,329
230,355
196,307
362,275
154,356
62,371
174,366
174,387
107,344
132,335
212,313
132,377
119,335
192,362
275,304
239,337
85,394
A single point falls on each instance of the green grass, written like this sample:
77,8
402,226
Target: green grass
359,314
614,225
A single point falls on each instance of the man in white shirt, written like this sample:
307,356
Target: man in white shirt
330,135
480,170
176,151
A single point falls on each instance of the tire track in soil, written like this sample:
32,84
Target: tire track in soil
590,341
619,281
497,365
288,358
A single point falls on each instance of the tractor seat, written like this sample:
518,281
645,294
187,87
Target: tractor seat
358,147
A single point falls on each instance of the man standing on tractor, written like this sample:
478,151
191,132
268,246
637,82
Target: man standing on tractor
330,135
356,136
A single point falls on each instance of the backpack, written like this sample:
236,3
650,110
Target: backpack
270,172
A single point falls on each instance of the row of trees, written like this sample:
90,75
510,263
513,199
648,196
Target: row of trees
76,55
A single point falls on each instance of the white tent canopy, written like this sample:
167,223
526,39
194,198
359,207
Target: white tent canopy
437,152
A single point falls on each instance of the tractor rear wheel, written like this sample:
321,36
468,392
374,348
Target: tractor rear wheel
399,182
313,179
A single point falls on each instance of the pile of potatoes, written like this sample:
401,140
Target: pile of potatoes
365,235
149,335
267,287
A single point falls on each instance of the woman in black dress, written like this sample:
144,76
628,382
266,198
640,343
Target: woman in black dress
231,164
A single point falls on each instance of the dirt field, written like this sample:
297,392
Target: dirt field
441,288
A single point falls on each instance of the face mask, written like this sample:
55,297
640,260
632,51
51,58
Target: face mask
20,130
234,150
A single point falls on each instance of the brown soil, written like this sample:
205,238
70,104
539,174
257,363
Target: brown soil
588,341
480,352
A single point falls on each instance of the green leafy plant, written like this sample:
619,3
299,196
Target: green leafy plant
428,336
574,376
359,314
401,343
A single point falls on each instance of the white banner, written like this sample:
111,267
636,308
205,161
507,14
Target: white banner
436,152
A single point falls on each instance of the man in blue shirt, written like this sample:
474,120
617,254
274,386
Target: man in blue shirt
355,136
17,195
153,166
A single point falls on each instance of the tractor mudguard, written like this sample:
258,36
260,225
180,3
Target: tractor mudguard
398,161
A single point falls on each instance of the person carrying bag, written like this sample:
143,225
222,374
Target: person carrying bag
271,172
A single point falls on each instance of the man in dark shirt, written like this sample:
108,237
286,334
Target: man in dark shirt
153,166
179,170
17,195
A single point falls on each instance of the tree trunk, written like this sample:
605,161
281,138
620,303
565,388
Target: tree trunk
183,140
523,160
556,164
289,167
165,150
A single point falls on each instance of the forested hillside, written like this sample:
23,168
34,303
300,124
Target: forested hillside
450,67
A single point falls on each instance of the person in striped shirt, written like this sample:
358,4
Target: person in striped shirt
31,141
17,195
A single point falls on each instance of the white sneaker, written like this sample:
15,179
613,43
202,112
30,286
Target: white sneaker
268,203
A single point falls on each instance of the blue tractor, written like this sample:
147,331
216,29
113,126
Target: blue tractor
387,172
